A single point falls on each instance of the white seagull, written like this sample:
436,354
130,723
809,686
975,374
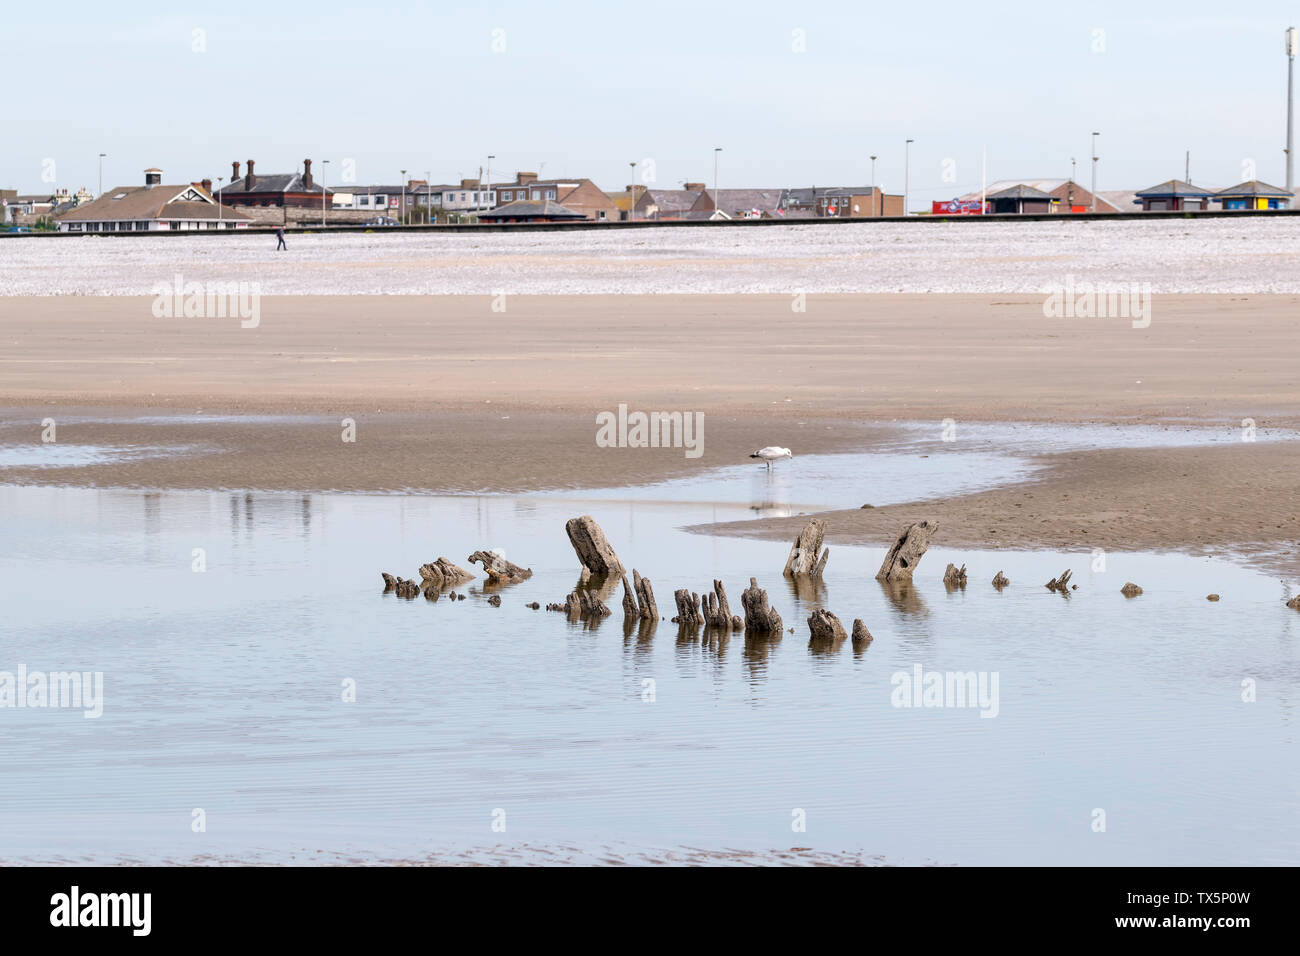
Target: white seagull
772,453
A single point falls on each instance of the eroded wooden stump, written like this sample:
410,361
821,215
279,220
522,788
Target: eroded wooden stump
444,574
806,555
825,626
594,551
717,610
1060,584
498,569
1000,580
861,636
955,577
906,551
760,616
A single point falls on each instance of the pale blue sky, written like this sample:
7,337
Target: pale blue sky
587,87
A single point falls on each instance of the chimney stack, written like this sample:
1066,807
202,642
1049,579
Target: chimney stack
306,173
523,179
234,172
250,180
207,186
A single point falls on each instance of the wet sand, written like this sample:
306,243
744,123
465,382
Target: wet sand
449,395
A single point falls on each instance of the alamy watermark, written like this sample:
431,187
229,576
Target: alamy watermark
208,300
651,430
922,688
1094,300
77,690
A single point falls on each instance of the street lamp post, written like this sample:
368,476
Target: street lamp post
717,199
428,195
1292,47
101,174
323,164
631,209
488,194
403,209
907,174
873,187
1092,206
220,180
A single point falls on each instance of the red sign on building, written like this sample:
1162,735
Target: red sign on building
956,207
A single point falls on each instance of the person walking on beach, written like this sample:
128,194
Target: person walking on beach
279,236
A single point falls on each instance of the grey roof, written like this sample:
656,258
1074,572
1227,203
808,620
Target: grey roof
527,208
1020,191
730,200
672,200
271,183
1174,187
1253,187
809,194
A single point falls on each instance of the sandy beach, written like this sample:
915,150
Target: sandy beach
450,395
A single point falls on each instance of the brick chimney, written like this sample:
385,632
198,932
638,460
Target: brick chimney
523,179
694,187
469,184
234,172
207,186
306,173
250,180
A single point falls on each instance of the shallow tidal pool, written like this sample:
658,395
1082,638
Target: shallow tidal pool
1168,719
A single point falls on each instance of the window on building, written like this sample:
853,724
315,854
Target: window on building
507,195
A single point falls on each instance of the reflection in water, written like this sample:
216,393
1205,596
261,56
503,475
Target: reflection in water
825,647
904,597
442,725
806,589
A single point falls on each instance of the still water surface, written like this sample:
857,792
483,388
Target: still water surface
223,690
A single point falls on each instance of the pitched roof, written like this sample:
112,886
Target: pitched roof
530,208
1019,191
1253,187
1174,187
766,200
672,200
150,202
272,183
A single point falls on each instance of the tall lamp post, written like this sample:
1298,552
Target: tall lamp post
488,194
873,187
1292,47
323,163
403,211
1092,206
631,209
101,174
717,199
907,174
428,195
220,180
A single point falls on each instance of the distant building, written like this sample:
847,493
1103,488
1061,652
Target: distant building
1174,195
581,195
739,204
1253,194
841,202
1070,196
277,189
1021,200
667,204
532,210
152,207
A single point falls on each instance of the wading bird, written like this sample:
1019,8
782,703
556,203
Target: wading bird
772,453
